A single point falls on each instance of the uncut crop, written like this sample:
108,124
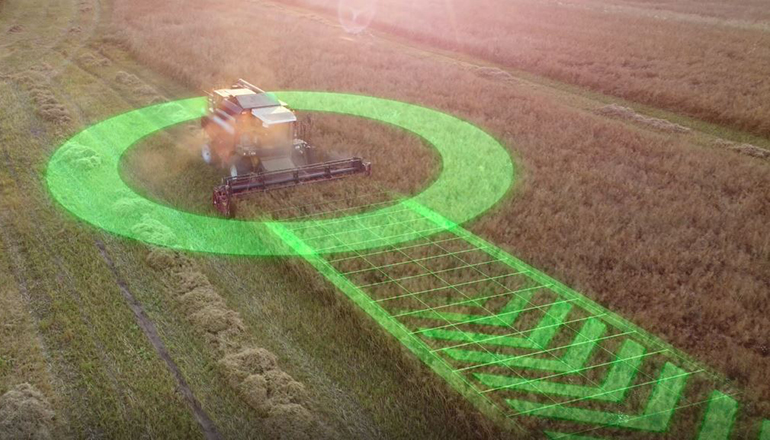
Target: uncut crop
708,60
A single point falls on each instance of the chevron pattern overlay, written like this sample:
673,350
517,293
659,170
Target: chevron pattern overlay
525,349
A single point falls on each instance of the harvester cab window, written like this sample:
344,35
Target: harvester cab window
279,134
254,132
215,102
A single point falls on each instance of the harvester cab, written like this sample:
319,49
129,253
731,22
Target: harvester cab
254,137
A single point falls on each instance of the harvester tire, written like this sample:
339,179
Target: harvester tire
240,167
208,155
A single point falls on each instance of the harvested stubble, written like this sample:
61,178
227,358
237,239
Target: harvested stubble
618,111
494,73
48,106
747,149
137,87
253,371
94,60
82,157
25,414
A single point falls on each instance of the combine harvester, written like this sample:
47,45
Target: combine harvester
254,136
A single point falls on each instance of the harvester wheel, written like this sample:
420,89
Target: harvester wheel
208,155
240,167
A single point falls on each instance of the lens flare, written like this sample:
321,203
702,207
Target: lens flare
355,16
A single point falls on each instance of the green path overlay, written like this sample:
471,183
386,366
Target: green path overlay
515,342
764,433
599,358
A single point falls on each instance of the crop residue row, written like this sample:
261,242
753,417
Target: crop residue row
280,400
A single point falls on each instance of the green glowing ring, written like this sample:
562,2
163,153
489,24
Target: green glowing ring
83,176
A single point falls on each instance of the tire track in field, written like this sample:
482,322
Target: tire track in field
148,328
208,428
363,426
13,249
207,425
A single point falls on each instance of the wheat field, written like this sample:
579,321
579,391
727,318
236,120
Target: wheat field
628,122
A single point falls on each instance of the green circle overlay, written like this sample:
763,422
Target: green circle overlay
83,177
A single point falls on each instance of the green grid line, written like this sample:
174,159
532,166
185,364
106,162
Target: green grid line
458,291
413,295
480,298
410,277
505,318
400,263
547,312
470,337
423,267
655,417
525,384
556,286
532,340
380,252
576,354
395,328
599,394
667,389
